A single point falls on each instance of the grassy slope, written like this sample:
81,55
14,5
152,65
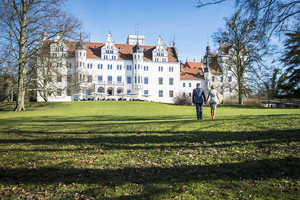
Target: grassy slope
142,150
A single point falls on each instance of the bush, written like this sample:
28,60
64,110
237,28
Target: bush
182,99
246,101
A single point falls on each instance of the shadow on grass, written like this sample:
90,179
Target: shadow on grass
129,132
154,132
286,168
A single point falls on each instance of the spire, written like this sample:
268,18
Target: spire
44,35
80,45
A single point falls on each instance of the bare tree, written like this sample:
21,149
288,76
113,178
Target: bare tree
22,23
243,51
7,76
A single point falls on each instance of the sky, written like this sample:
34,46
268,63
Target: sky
191,27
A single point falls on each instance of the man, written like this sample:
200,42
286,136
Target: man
198,98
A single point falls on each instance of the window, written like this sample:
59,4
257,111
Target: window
139,79
229,79
171,93
129,67
146,80
171,69
190,94
109,67
58,91
222,79
69,93
213,79
160,93
100,66
128,91
119,79
90,78
69,79
229,68
138,66
160,81
190,84
171,81
59,78
119,67
88,65
109,78
128,79
146,92
183,84
91,66
100,78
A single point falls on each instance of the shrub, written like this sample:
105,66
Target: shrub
182,99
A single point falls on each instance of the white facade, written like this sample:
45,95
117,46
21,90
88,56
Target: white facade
153,73
134,39
119,70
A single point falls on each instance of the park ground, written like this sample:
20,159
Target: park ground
146,150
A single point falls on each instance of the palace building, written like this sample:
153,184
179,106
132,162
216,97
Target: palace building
89,70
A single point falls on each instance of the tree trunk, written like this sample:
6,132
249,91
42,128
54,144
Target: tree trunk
44,95
20,104
12,93
241,99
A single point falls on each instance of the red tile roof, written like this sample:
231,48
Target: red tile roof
192,70
225,48
125,53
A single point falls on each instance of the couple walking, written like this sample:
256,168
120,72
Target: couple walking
199,97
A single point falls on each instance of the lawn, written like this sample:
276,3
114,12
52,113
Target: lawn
146,150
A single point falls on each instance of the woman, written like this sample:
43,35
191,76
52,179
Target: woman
213,94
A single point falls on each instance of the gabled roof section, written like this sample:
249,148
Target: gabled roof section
192,70
125,53
225,49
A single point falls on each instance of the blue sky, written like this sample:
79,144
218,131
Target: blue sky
191,27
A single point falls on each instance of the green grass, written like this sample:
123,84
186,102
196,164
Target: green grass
144,150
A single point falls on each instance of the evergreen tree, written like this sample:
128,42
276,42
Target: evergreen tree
291,61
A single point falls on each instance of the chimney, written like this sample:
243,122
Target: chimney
194,60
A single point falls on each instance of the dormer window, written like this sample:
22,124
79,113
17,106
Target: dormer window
121,48
183,73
